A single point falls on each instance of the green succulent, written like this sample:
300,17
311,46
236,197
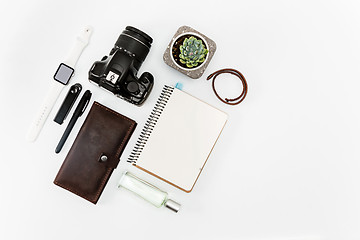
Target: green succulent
192,52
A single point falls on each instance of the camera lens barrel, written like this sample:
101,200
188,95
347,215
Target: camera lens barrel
135,42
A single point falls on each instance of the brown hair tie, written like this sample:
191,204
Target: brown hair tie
242,96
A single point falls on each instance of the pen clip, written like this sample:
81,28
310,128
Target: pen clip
86,104
68,102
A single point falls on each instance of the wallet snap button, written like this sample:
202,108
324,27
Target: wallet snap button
103,158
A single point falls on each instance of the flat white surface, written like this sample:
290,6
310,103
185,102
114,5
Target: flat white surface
182,139
285,167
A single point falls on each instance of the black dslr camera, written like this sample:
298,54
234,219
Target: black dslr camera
117,72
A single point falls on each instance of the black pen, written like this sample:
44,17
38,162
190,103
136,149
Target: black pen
77,113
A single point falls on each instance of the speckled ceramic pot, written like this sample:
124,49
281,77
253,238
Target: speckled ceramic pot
171,58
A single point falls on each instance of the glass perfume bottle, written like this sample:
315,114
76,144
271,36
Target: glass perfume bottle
147,191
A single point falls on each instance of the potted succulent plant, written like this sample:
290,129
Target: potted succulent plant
189,52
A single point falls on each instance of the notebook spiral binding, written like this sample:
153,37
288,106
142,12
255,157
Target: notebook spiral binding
150,123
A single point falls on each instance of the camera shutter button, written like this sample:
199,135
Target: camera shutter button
132,87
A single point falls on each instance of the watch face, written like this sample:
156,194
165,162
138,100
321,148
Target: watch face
63,73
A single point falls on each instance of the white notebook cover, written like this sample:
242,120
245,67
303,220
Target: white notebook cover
182,140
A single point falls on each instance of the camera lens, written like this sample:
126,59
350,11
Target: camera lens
139,34
135,42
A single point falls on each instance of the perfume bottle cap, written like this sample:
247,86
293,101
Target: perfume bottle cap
172,205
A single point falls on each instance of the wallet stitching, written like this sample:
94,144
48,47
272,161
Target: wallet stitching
128,131
122,143
103,183
93,200
74,191
112,111
69,188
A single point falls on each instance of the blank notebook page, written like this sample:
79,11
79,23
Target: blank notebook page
182,140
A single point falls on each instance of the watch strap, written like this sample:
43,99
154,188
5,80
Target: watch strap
82,41
44,110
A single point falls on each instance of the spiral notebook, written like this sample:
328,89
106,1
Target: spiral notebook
178,138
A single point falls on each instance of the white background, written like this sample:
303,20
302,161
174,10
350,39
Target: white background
285,167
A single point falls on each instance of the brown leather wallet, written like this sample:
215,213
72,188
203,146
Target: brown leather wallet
95,152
